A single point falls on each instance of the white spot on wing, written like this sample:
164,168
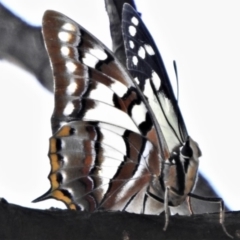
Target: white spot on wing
147,149
71,88
90,60
149,49
119,88
131,44
139,113
135,60
64,36
68,109
132,30
69,27
135,21
71,67
141,52
136,80
65,51
156,80
65,160
101,55
148,89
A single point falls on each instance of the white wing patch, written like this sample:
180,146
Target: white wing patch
119,88
65,51
68,109
114,140
136,80
149,49
102,93
139,113
156,80
71,88
112,128
132,30
69,27
101,55
90,60
141,52
71,67
65,36
135,60
131,44
135,21
105,113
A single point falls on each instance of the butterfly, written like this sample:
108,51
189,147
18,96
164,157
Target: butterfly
119,139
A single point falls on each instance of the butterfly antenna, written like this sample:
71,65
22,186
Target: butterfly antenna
176,74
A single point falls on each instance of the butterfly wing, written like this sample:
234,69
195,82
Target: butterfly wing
147,68
104,150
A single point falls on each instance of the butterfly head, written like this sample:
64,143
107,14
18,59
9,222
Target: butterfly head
180,171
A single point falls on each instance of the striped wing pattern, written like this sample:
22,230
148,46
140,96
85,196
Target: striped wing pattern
119,140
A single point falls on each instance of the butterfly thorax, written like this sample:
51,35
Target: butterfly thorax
179,172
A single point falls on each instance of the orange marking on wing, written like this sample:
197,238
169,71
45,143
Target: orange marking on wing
52,148
54,182
60,196
64,131
72,206
54,162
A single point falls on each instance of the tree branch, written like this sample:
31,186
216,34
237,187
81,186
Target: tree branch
22,44
23,223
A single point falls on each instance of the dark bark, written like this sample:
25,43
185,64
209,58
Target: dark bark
23,223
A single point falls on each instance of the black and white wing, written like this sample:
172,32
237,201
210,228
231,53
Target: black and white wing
144,62
147,69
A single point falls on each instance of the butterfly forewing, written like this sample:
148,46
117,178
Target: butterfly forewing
147,68
105,147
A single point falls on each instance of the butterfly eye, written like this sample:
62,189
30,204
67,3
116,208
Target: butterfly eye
186,150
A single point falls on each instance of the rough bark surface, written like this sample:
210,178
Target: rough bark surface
22,223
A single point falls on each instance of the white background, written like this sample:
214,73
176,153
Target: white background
202,36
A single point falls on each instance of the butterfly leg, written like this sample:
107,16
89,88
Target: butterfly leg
222,209
166,208
189,203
